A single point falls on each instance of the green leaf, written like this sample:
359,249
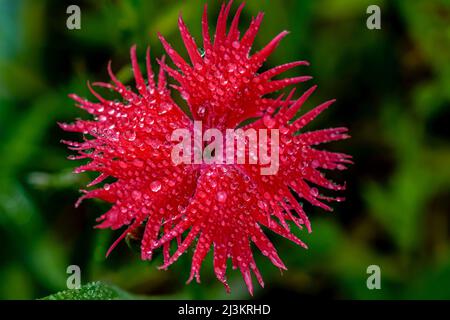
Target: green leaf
92,291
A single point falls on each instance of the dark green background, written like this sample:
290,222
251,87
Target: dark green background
393,91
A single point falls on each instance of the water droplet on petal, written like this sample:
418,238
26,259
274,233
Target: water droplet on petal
262,204
315,164
136,195
231,67
138,163
269,122
129,135
246,197
314,192
201,111
164,108
221,196
284,130
149,120
185,95
155,186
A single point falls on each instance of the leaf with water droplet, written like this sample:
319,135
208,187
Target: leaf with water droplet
92,291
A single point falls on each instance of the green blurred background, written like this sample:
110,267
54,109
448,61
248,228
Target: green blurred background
393,91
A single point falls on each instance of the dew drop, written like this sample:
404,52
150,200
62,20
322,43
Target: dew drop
122,164
284,130
136,195
185,95
315,164
138,163
269,122
221,196
314,192
231,67
149,120
129,135
201,111
164,108
155,186
262,204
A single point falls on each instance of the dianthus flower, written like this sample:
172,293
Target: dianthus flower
217,206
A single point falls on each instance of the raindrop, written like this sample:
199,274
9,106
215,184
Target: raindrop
149,120
155,186
246,197
138,163
315,164
164,108
221,196
185,95
262,204
269,122
284,130
231,67
136,195
314,192
201,111
129,135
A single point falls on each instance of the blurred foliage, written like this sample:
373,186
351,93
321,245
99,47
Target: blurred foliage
393,91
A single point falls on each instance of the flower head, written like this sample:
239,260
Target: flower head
212,206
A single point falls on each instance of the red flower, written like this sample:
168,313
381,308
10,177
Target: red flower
217,205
